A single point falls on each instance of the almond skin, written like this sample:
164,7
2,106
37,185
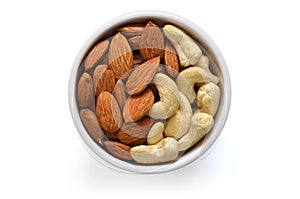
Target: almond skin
138,106
171,60
119,93
120,57
132,30
108,112
96,54
135,132
91,124
135,42
152,42
118,149
141,76
85,94
104,79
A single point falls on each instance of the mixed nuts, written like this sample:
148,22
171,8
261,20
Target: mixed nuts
147,94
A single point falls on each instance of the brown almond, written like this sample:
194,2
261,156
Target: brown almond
119,93
132,30
91,124
137,106
85,94
96,54
137,132
120,57
152,42
119,150
111,135
108,112
171,60
141,76
104,79
135,42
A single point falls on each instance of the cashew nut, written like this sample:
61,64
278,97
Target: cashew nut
208,97
201,124
188,77
164,151
156,133
203,62
169,97
178,124
188,51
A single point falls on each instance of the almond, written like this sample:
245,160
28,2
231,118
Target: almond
108,112
96,54
132,30
137,106
119,150
142,76
85,94
135,42
171,60
91,124
111,135
120,57
152,42
119,93
137,132
104,79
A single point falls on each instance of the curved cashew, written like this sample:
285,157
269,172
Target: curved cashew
169,97
203,62
178,124
188,77
164,151
201,124
208,97
188,51
156,133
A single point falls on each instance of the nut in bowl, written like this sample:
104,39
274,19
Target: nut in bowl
149,92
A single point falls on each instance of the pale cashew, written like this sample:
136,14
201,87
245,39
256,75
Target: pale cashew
169,97
201,125
178,124
164,151
155,134
188,51
203,62
188,77
208,97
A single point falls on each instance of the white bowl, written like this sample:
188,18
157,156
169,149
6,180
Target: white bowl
200,150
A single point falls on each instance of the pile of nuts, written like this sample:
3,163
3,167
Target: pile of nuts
146,94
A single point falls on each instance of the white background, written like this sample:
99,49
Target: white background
257,155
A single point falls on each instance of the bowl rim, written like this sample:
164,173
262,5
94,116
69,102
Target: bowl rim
110,161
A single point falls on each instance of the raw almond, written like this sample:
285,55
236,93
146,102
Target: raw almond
108,112
142,76
132,30
120,57
91,124
134,42
96,54
152,42
171,60
104,79
132,132
118,149
111,135
137,106
119,93
85,94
